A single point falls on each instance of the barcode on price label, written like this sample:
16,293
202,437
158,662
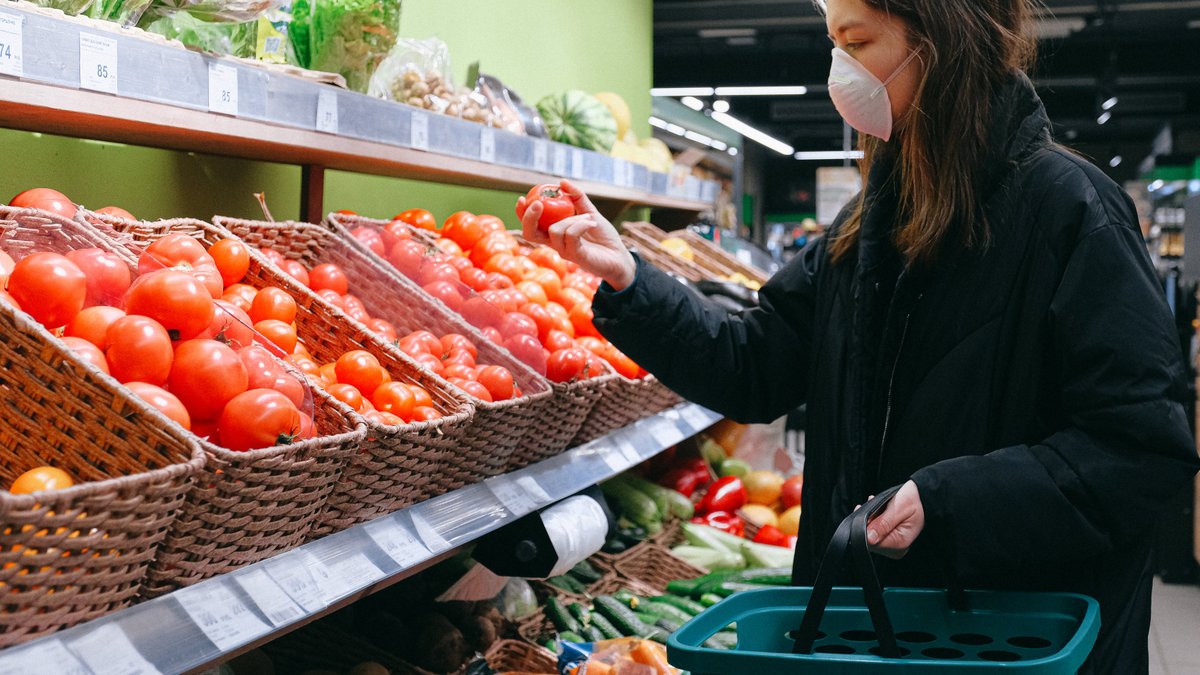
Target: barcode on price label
487,145
98,63
221,615
577,164
398,542
541,161
107,651
11,44
419,137
511,495
41,657
327,111
293,575
270,598
222,88
560,161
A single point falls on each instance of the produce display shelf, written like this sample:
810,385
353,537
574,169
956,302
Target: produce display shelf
208,623
157,94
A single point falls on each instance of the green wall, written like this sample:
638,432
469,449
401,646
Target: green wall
537,47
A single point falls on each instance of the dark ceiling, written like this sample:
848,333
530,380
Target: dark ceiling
1146,52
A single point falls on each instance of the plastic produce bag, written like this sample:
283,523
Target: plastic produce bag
231,11
230,39
516,600
622,656
123,12
352,37
417,73
71,7
510,112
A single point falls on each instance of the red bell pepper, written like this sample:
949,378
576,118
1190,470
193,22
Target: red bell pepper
727,494
723,521
687,477
769,534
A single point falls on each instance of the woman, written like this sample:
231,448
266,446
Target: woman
982,325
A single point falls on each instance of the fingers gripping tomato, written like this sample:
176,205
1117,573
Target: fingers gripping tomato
556,205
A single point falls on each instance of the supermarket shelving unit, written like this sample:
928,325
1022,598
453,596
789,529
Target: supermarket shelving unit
76,78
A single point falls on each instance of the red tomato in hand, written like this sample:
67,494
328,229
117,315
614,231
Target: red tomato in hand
92,324
418,218
163,400
328,276
273,303
176,300
48,286
107,275
232,259
498,381
259,418
88,351
46,200
567,365
556,205
205,376
359,368
139,350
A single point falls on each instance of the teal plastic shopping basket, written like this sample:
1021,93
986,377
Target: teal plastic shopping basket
823,629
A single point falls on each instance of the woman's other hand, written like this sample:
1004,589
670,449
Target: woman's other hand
892,532
587,239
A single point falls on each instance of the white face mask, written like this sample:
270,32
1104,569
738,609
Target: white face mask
860,98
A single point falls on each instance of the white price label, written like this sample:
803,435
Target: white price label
41,657
535,491
664,433
629,451
541,159
630,174
327,111
107,651
98,63
614,459
293,575
560,161
221,614
576,164
11,44
432,539
619,175
222,88
696,417
347,575
419,136
270,598
487,145
512,495
398,542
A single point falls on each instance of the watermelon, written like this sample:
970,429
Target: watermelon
579,119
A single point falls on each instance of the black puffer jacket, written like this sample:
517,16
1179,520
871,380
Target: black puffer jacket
1033,390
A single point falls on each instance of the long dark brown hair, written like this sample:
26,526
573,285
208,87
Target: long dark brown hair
966,48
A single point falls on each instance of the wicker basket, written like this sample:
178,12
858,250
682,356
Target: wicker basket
707,257
247,506
76,554
625,402
563,414
497,429
515,656
655,566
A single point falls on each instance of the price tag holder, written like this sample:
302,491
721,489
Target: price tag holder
487,145
221,614
270,598
628,451
576,164
620,176
560,161
541,156
42,657
348,575
419,136
432,539
108,651
614,459
11,44
222,89
512,495
533,489
663,434
398,542
293,575
327,111
695,417
98,63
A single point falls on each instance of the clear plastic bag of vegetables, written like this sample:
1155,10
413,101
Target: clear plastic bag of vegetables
231,11
352,37
71,7
417,73
123,12
229,39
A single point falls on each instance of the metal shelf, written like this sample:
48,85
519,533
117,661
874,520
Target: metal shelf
216,619
165,97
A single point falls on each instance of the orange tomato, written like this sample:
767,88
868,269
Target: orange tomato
492,244
273,303
232,258
533,291
361,369
418,218
348,394
424,413
395,398
273,333
41,479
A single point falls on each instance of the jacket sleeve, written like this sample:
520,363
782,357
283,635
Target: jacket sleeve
1124,448
750,366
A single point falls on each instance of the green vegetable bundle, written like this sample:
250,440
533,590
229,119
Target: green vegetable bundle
350,37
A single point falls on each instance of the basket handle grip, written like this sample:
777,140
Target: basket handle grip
850,537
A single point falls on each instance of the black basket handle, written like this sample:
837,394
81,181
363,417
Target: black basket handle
851,537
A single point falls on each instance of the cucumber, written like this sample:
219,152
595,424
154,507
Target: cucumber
710,599
767,576
665,611
646,617
713,644
568,636
686,604
593,634
667,625
582,614
683,586
606,628
628,598
562,584
634,505
551,644
728,588
669,502
728,640
626,621
561,618
585,572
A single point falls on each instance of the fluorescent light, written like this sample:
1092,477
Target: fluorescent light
727,32
1109,104
1115,161
828,155
721,106
733,151
682,91
718,145
692,102
753,134
698,137
676,129
659,123
1155,185
761,91
1104,118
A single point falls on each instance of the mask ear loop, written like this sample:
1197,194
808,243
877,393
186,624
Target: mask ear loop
896,74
